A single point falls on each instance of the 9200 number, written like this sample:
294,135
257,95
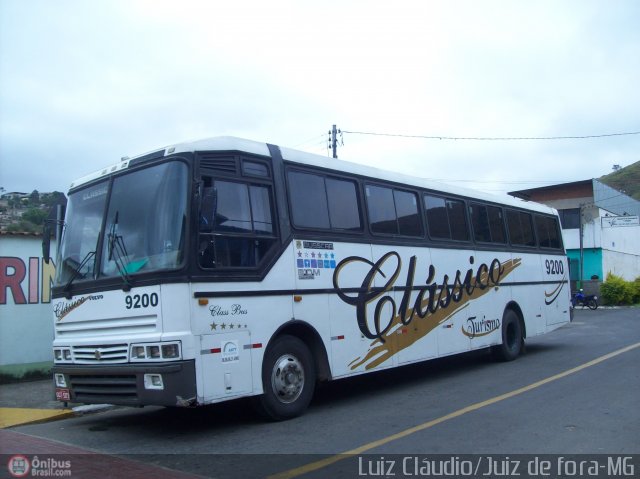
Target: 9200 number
554,266
138,301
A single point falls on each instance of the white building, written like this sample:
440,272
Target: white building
600,228
26,325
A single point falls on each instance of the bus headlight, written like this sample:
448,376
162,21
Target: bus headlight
169,351
62,355
137,352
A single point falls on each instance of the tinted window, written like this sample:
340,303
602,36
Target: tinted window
308,200
343,204
236,224
393,211
457,220
437,219
570,218
382,213
520,228
233,212
547,231
496,223
487,222
446,218
261,209
251,168
407,211
323,203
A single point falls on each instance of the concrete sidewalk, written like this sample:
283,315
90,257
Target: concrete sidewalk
33,401
47,458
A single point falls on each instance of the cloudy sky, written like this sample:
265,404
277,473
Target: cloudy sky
83,83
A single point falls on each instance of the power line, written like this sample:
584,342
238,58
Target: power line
497,138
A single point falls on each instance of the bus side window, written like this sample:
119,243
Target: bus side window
236,225
207,209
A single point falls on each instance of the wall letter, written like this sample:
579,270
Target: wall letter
12,272
48,273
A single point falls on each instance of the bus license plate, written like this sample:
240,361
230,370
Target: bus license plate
62,394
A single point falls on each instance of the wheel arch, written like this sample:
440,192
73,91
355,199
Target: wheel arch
310,336
515,307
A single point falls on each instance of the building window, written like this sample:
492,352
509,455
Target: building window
570,218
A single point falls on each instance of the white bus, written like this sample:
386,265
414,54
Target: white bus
224,268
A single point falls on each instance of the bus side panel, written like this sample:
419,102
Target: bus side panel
248,320
558,293
453,318
484,327
318,268
527,291
226,365
420,347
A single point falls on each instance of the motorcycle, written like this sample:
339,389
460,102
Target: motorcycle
580,299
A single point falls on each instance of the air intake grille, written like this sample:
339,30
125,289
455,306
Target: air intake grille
115,389
223,164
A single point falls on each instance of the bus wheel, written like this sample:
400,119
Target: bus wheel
512,338
288,379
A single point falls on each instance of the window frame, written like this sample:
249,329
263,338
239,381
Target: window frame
530,214
478,204
447,199
241,176
558,230
324,177
394,189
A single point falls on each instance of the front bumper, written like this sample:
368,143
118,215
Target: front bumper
124,384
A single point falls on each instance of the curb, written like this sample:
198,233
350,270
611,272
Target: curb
14,416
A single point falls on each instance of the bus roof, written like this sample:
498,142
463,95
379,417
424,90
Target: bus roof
229,143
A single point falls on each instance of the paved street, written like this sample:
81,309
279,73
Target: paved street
575,391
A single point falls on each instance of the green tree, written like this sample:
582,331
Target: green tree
34,198
35,216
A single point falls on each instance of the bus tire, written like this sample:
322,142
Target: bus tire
288,379
512,338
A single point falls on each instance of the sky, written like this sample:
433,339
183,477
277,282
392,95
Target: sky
84,83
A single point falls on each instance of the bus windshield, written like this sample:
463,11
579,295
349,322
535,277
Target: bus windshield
143,230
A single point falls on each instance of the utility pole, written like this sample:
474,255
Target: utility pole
581,212
334,140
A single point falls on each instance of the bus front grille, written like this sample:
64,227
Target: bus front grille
115,353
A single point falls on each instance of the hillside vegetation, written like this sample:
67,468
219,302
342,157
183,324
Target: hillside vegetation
626,180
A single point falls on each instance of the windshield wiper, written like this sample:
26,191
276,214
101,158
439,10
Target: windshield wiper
117,252
76,273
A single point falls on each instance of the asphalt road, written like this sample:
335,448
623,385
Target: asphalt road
567,395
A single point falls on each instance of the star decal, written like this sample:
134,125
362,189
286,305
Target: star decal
214,326
223,326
